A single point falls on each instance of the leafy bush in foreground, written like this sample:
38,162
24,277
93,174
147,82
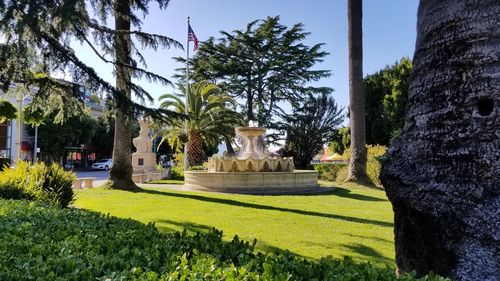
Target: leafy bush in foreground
37,182
48,243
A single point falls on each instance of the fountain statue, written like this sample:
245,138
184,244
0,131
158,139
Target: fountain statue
144,159
252,170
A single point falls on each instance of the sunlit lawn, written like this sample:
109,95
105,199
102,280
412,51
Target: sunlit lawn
350,220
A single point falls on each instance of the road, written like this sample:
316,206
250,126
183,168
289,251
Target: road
100,176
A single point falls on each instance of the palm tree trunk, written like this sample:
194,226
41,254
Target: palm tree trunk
442,173
357,162
120,175
195,148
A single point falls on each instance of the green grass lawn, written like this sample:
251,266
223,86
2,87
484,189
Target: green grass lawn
349,220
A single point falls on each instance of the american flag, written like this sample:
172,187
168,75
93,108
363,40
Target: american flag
192,37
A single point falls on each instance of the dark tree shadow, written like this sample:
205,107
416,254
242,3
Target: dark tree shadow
189,226
368,252
346,193
264,207
372,238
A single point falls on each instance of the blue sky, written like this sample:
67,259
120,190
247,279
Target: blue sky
389,32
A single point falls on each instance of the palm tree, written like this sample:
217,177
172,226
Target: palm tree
357,162
211,118
441,175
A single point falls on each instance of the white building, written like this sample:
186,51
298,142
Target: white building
16,148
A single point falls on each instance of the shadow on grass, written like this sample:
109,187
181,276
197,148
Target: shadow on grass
265,207
364,252
367,252
346,193
189,226
369,237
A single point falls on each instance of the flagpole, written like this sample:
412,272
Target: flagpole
186,111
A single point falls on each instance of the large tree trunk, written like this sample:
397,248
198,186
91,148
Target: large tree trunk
120,175
357,162
195,149
442,173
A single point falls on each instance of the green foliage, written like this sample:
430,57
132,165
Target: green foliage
177,172
342,174
197,168
42,29
341,140
102,139
46,243
55,137
309,127
373,165
386,97
7,111
95,98
37,182
265,65
55,104
210,111
170,181
328,171
212,118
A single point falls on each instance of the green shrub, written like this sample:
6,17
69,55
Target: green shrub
342,174
197,168
46,243
14,183
328,171
373,166
177,173
37,182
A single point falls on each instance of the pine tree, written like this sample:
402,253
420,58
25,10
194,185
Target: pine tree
49,26
264,65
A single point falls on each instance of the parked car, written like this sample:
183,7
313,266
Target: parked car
103,164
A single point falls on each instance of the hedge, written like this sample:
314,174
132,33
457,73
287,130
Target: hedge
328,171
42,242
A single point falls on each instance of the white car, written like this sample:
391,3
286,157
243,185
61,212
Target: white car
103,164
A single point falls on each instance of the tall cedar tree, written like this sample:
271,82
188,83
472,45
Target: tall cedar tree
48,26
264,65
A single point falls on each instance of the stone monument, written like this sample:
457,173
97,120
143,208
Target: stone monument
144,160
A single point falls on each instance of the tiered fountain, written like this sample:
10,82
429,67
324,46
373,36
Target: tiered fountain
251,171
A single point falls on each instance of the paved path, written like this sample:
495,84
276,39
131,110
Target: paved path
101,176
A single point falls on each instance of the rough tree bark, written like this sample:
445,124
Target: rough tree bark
120,175
442,174
195,149
357,162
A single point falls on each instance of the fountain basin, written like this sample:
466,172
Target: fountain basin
296,182
266,164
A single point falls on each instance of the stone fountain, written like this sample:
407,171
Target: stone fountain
252,171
